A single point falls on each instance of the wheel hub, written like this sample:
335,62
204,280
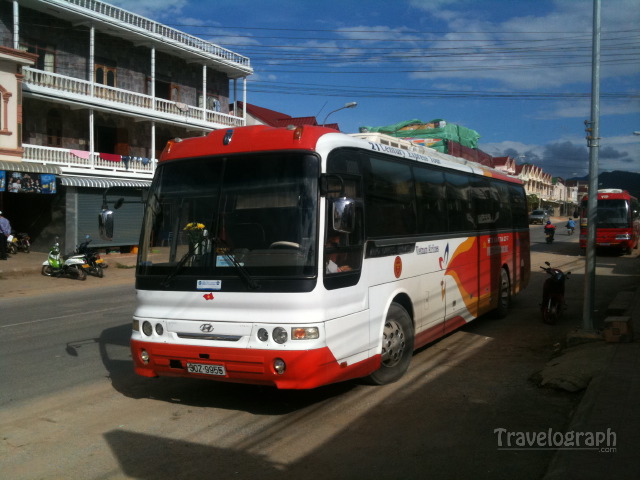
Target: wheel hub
393,343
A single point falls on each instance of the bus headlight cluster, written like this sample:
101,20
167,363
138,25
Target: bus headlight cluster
623,236
280,335
148,328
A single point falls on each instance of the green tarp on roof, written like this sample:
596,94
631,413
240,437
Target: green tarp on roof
437,129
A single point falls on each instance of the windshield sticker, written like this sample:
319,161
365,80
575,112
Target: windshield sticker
224,261
209,284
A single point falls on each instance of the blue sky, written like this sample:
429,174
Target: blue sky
516,71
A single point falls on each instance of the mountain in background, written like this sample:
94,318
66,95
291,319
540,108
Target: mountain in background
624,180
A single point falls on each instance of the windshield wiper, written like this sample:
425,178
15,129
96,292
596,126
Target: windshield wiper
246,277
166,283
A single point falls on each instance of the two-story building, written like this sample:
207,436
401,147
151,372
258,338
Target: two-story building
102,91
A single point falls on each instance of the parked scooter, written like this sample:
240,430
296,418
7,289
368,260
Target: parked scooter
20,242
12,244
553,304
93,264
57,266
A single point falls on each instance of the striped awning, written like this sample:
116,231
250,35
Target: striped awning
103,182
29,167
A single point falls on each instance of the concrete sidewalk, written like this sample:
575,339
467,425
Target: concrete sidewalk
609,407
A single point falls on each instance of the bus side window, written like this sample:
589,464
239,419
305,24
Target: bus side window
430,195
390,199
458,203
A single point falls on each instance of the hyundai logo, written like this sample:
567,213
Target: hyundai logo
206,328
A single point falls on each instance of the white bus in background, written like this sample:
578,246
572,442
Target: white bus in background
299,257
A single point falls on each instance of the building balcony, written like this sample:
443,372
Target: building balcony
141,30
78,162
73,91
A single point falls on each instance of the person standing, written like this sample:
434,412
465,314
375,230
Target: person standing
5,231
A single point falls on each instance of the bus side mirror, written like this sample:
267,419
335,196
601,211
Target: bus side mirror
105,224
343,213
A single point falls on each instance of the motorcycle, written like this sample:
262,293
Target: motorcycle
20,242
23,242
12,244
57,266
549,233
570,230
553,304
92,261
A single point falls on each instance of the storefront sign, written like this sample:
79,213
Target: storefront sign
20,182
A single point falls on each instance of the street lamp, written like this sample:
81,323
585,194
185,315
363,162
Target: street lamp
346,105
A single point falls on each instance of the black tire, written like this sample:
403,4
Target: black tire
98,271
550,311
47,270
79,273
504,292
397,346
11,248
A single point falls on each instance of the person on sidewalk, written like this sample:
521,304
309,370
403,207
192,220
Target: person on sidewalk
5,231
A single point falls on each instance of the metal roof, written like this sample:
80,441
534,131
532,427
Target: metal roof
29,167
103,182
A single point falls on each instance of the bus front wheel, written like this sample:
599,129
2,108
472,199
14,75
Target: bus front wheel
397,346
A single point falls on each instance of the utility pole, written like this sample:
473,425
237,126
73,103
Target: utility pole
593,142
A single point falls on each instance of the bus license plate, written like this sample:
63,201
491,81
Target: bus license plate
206,369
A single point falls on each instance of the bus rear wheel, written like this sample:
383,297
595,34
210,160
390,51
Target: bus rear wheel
397,346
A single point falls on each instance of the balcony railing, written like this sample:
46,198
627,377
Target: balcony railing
91,163
141,23
72,89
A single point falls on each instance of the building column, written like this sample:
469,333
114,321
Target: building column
16,25
204,93
153,76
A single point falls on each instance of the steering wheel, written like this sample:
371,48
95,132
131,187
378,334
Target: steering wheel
284,244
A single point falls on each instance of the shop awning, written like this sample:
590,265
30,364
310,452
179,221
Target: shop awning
103,182
29,167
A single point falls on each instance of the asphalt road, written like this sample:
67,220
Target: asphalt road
72,407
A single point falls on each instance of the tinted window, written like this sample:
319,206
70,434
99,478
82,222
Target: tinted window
431,200
458,202
390,205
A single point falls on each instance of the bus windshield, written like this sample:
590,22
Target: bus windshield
248,215
613,214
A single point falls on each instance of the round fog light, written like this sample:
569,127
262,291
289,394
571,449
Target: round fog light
279,366
159,329
147,329
144,356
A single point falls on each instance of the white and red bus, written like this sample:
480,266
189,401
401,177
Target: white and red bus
617,220
302,257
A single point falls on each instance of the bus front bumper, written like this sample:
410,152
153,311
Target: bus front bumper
289,369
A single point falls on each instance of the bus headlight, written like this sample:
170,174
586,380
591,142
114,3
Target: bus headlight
280,335
304,333
623,236
263,335
147,329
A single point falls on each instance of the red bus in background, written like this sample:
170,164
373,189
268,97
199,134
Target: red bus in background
617,220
